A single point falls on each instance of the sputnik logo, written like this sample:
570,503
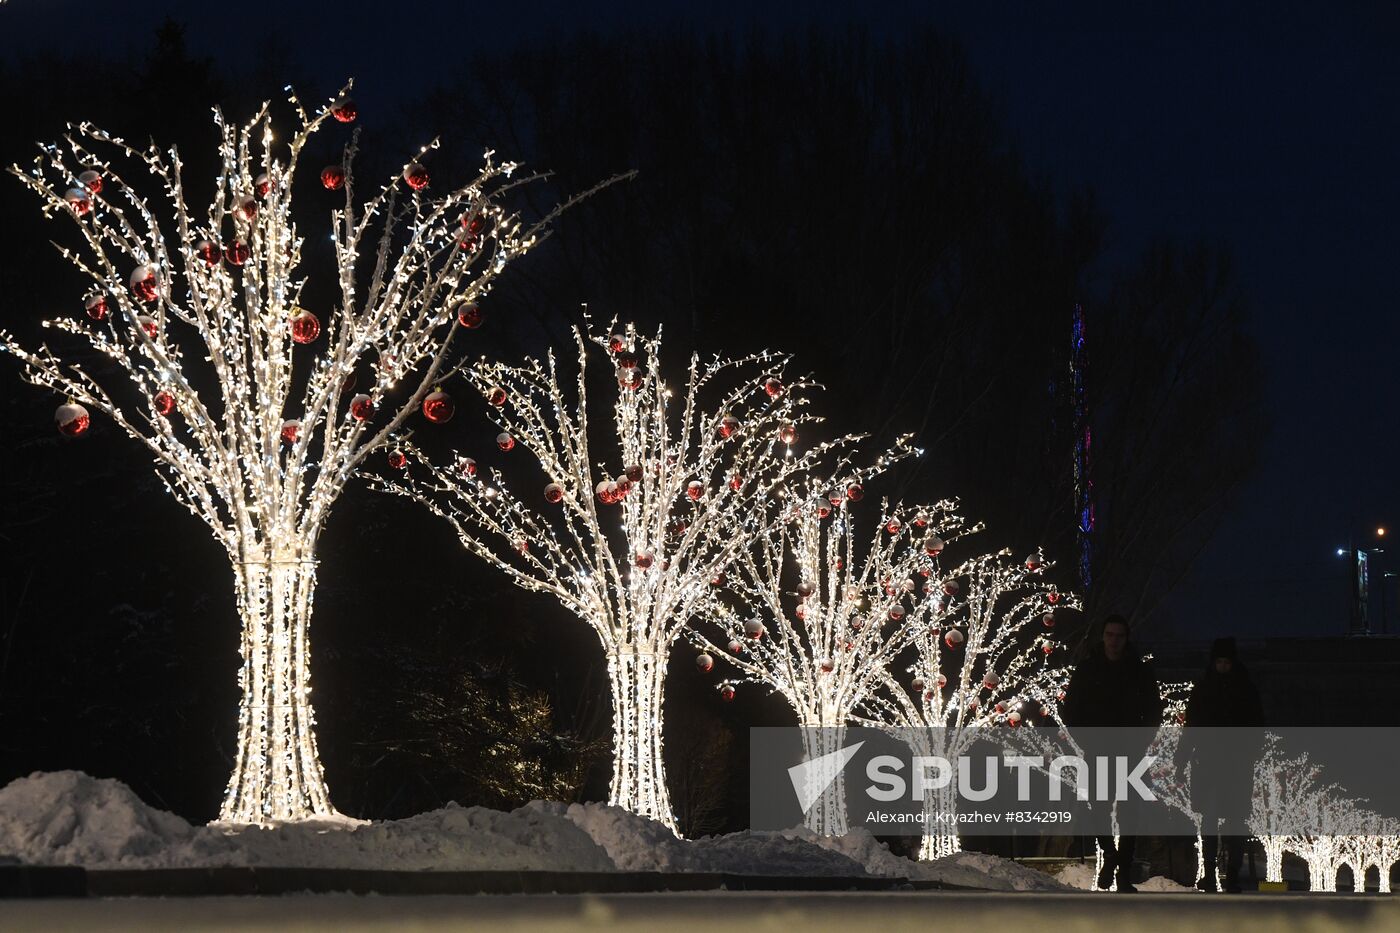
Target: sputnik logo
811,778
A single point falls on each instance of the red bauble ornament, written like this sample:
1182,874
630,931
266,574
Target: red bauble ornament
606,491
1035,562
497,396
91,180
826,664
726,693
505,441
823,508
466,466
921,519
521,544
624,486
773,387
78,200
728,425
96,307
695,490
855,492
209,251
291,430
416,176
1013,719
892,526
633,473
554,494
933,545
717,579
896,612
237,252
616,343
753,629
72,419
469,314
917,684
950,588
149,325
144,283
362,407
306,327
736,646
164,403
246,208
836,497
953,639
438,407
644,559
704,662
1052,597
806,588
262,185
941,680
991,680
787,433
800,612
1048,620
1047,647
398,459
344,110
736,482
629,377
333,177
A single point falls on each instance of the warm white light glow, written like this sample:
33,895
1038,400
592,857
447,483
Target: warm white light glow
213,377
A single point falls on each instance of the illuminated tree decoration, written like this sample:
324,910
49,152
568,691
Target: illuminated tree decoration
981,666
203,362
622,538
820,612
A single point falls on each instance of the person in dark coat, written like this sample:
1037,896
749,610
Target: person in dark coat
1222,763
1114,687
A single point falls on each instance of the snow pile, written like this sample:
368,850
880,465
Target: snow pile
1081,875
637,844
69,818
964,869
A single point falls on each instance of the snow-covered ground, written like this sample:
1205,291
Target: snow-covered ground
1081,875
70,818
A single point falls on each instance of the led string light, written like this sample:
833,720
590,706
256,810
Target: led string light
636,540
257,460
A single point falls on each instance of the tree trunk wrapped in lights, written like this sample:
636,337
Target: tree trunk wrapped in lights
245,399
983,661
637,540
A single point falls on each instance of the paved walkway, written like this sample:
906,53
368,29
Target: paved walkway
724,911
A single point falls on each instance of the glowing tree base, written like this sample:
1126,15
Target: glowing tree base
940,835
277,774
637,677
827,815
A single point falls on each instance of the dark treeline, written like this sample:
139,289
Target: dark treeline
858,203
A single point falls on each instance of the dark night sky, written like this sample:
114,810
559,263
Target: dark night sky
1271,128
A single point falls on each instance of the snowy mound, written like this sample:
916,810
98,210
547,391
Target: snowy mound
637,844
1081,875
965,869
69,818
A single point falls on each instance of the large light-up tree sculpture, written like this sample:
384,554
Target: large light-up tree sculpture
243,398
640,515
983,662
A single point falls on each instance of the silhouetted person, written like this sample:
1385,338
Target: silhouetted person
1114,687
1222,763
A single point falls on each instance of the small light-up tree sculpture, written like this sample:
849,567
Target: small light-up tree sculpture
634,541
821,612
983,661
243,398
